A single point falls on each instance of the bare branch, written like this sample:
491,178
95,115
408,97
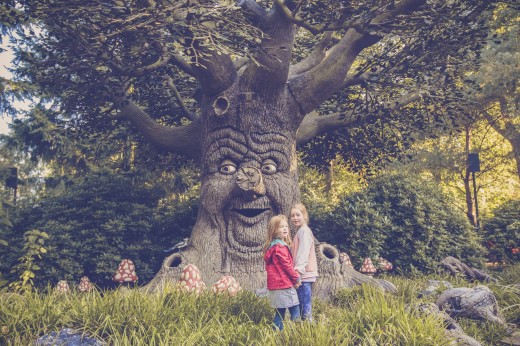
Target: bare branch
256,12
311,88
314,124
314,58
183,140
171,85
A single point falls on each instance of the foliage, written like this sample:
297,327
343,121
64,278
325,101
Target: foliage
94,225
82,55
172,318
33,248
403,219
501,233
359,316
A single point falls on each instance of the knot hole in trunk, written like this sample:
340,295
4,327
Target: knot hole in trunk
221,106
173,261
328,251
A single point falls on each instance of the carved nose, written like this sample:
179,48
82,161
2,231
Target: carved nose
250,181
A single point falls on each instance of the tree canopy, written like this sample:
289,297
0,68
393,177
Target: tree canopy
369,73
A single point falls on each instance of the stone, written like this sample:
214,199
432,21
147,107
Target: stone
477,303
68,337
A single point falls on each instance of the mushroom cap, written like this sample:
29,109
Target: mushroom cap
385,264
191,280
226,285
368,267
125,272
62,287
345,260
85,284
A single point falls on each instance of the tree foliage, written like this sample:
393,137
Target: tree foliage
404,219
502,233
85,55
94,225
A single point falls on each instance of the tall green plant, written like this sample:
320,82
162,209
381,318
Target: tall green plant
27,267
404,219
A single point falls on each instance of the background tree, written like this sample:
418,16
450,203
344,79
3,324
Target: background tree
218,83
496,90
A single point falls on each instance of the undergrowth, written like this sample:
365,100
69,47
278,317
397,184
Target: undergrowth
360,316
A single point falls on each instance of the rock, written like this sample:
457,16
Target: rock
68,337
476,303
453,330
512,340
433,286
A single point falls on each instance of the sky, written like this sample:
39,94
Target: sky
5,63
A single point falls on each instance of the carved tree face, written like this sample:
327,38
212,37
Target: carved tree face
247,180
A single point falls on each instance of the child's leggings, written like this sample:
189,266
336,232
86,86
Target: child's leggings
305,298
280,313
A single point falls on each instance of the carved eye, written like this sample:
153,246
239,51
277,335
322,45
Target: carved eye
269,167
227,167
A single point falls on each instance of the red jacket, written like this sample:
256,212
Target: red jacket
279,267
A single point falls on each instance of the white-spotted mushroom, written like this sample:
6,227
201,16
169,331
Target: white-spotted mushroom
125,273
226,285
368,267
191,280
85,285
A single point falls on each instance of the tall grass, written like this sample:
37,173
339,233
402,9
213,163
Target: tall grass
360,316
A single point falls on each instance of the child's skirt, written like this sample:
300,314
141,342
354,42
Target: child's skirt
284,298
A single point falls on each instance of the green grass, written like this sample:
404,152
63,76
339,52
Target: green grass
360,316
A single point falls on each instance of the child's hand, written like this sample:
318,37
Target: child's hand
298,284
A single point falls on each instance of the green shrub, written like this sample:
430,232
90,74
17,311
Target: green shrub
95,224
404,219
501,233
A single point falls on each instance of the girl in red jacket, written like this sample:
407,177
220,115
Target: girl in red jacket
282,279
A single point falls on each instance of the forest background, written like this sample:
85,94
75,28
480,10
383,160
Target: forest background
85,198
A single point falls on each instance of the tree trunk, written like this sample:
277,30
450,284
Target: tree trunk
470,207
249,174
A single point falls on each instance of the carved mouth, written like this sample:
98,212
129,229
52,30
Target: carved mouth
247,223
250,212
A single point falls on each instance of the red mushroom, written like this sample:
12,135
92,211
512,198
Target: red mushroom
344,259
125,273
385,265
191,280
62,287
368,267
85,285
226,285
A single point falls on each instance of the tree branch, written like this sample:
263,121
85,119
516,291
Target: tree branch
314,124
311,88
184,140
171,86
314,58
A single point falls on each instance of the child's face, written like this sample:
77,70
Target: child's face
283,230
297,218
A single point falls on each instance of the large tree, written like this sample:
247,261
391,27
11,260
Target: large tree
237,86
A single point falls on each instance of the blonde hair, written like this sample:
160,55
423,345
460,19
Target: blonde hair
272,229
303,210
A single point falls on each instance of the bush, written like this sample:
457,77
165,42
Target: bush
96,224
404,219
501,233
